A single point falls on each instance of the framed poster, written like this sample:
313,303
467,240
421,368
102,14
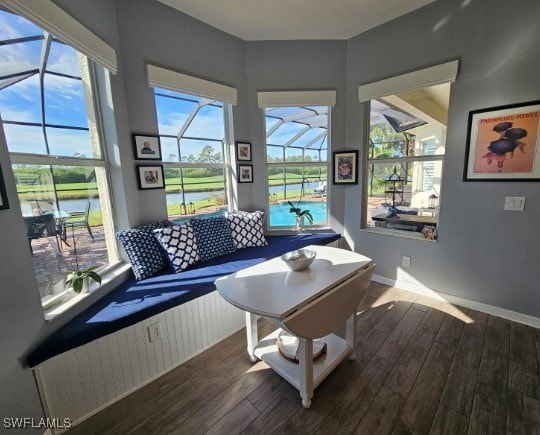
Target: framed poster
245,173
4,205
150,177
243,151
346,167
146,146
503,143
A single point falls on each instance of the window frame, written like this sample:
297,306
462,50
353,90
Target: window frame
56,303
422,78
225,165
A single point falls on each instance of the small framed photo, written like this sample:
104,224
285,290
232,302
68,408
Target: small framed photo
146,146
503,143
243,151
245,173
150,177
4,205
346,167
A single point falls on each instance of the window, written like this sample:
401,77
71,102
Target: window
406,146
195,153
297,163
406,150
53,135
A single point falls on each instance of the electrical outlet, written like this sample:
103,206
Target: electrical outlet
406,261
154,332
514,203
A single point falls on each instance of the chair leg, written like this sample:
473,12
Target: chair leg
90,231
30,246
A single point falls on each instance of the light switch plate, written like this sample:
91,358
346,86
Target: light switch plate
514,203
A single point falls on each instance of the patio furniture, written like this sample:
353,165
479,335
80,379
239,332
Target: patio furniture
79,219
41,226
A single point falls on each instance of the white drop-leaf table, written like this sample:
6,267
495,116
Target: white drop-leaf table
310,304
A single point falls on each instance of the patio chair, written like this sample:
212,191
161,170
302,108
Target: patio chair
79,219
41,226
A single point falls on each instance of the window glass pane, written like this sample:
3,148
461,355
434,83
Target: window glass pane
293,155
195,191
201,151
21,57
172,113
274,154
63,59
64,102
48,195
300,138
169,149
21,101
12,26
192,187
284,133
74,143
208,123
404,191
310,138
24,139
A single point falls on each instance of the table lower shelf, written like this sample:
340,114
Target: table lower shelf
336,351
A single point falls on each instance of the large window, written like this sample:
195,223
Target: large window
406,150
195,153
297,163
51,125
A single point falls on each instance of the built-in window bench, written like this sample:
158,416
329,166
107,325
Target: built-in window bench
114,348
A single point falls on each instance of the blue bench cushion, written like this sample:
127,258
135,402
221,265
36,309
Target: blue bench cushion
135,301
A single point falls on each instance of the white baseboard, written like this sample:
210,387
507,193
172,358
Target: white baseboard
467,303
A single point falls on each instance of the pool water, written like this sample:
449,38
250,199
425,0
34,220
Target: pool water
281,216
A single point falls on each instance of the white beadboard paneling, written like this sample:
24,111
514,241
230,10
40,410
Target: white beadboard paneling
85,380
95,369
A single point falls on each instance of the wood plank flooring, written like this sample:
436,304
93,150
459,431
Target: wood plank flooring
423,367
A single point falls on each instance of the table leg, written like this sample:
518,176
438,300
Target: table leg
252,337
305,365
350,335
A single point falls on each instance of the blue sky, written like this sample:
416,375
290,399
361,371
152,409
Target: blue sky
65,104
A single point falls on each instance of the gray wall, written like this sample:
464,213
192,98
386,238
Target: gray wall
484,253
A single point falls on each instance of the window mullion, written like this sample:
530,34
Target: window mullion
438,157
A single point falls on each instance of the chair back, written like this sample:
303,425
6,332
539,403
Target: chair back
40,226
81,216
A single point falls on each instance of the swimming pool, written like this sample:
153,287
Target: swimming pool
280,215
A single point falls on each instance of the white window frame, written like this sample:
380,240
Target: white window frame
438,74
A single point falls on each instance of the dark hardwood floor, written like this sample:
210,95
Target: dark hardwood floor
423,366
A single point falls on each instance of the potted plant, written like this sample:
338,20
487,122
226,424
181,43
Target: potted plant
300,215
80,278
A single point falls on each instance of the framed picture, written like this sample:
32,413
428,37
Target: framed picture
346,167
150,177
503,143
146,146
243,151
245,173
4,205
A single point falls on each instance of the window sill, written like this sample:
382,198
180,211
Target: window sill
396,233
68,300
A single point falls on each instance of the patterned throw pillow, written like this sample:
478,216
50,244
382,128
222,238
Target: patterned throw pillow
247,229
180,245
213,237
143,250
